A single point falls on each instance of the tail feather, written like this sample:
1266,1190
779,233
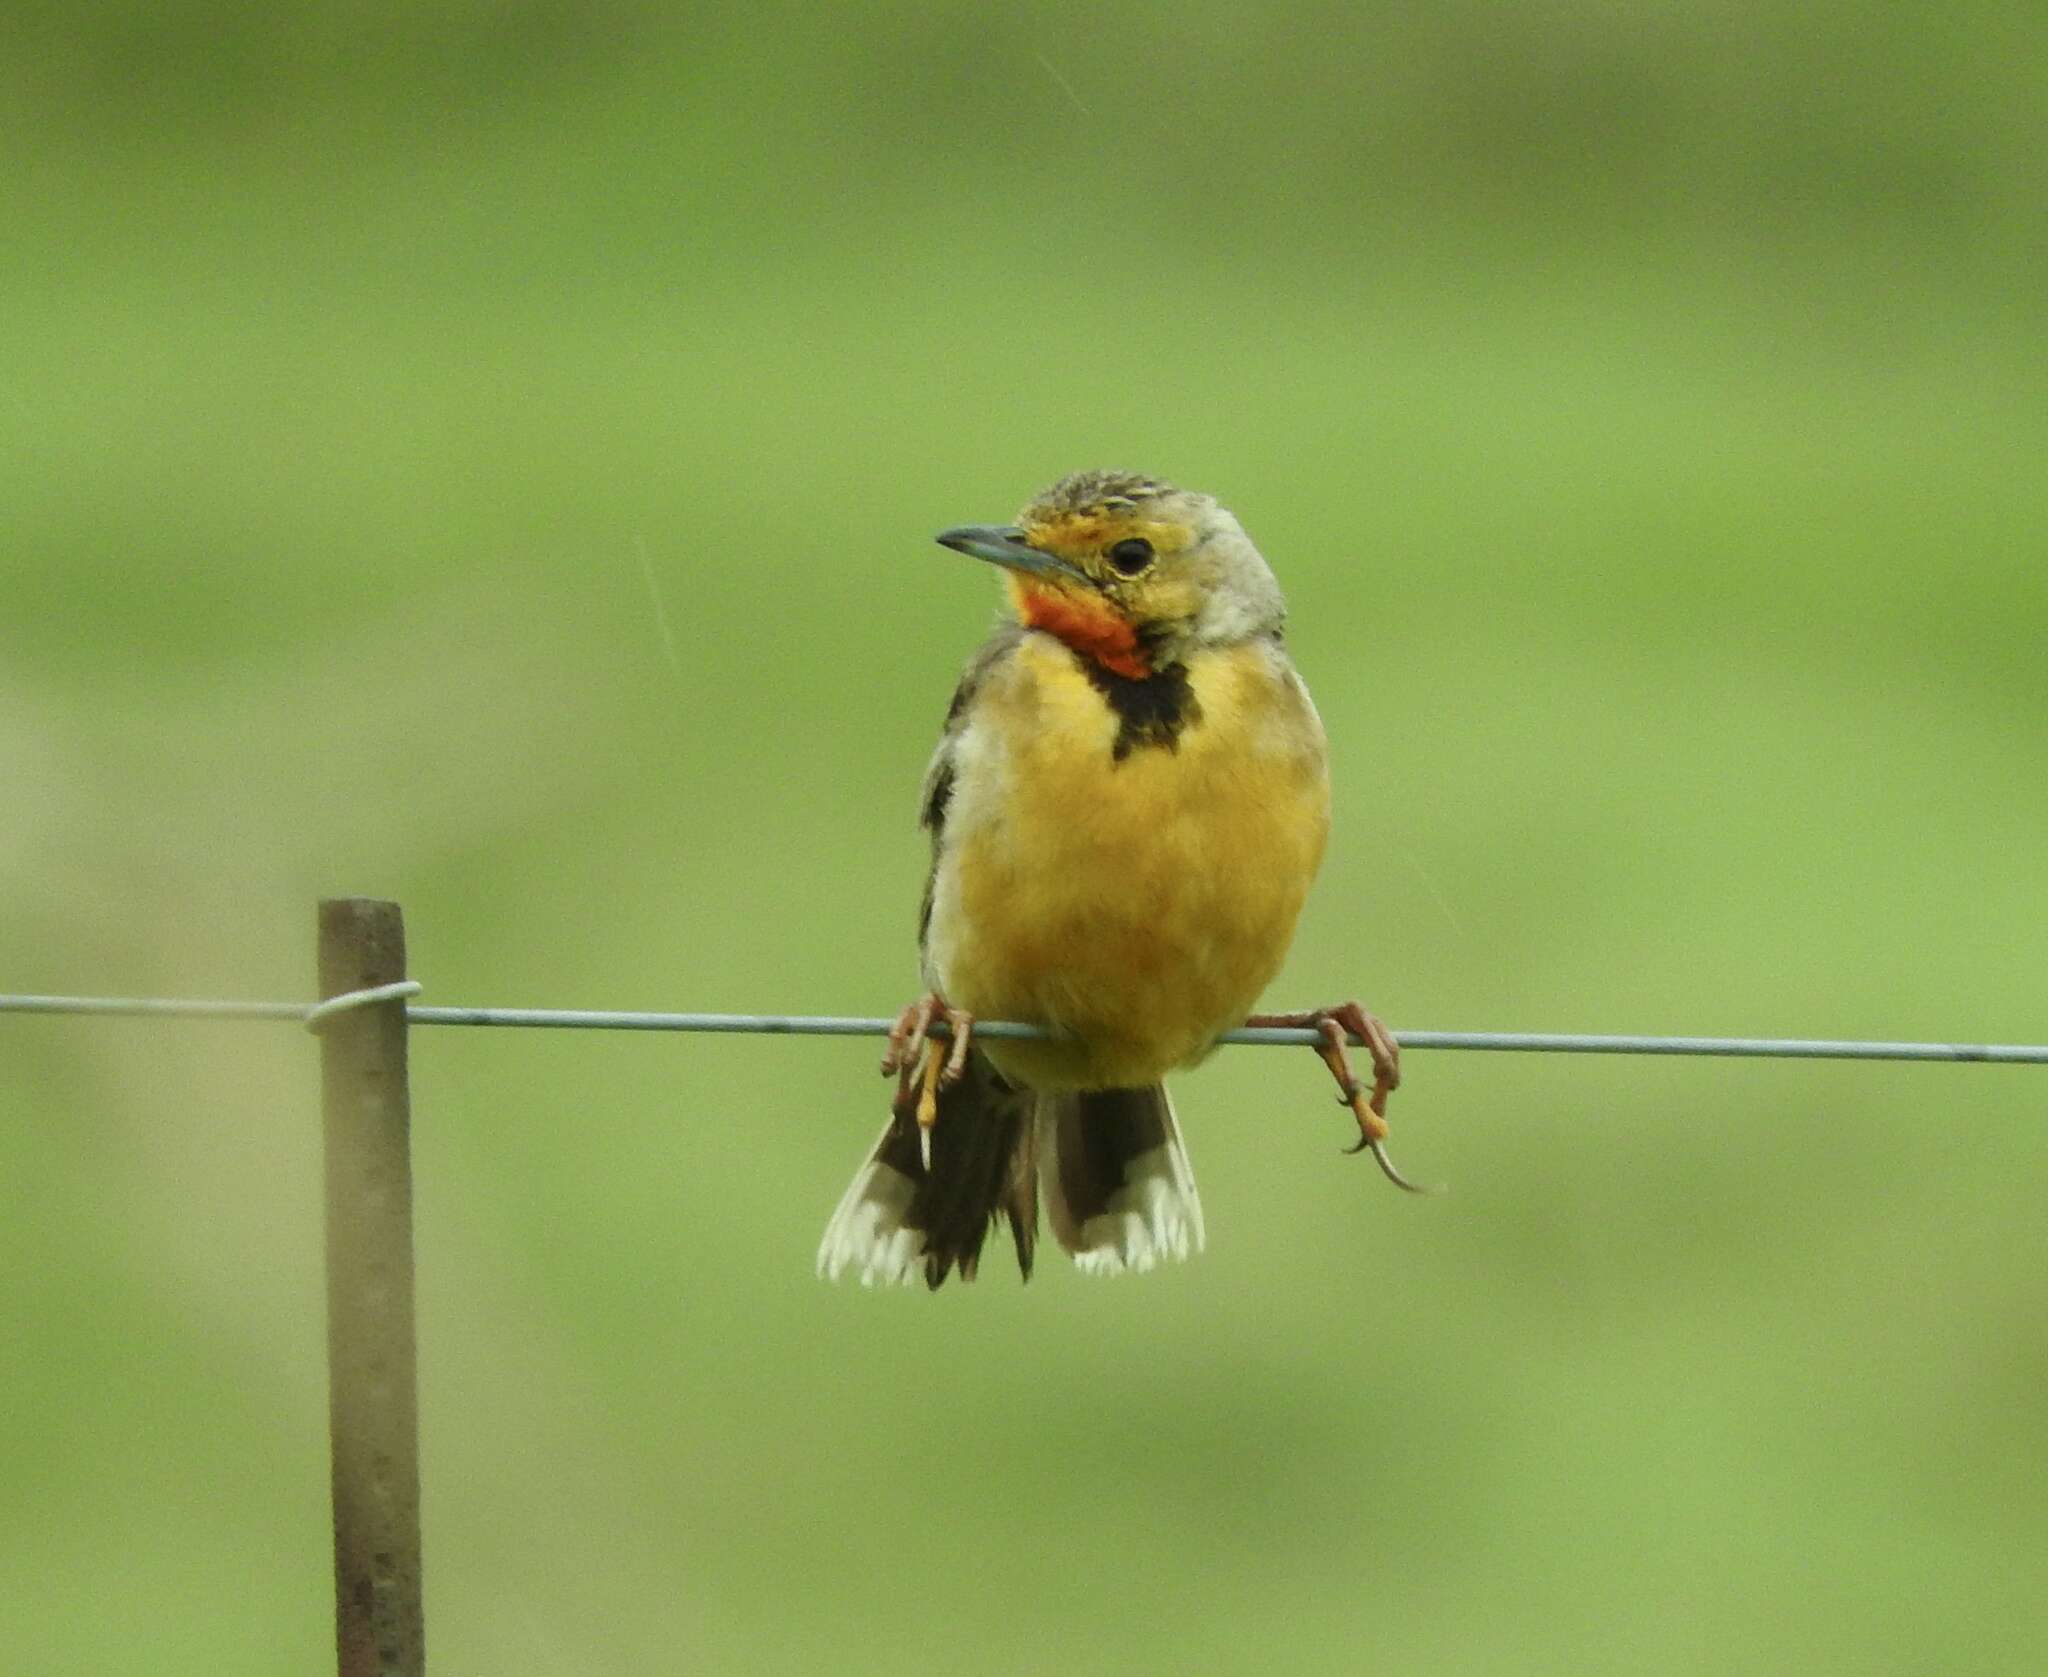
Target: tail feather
1118,1188
898,1220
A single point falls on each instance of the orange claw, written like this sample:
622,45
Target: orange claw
928,1099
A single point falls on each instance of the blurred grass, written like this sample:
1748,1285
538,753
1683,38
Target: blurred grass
1644,409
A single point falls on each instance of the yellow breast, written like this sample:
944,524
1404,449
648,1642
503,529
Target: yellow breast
1137,905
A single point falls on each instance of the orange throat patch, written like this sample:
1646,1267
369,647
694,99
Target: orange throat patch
1090,625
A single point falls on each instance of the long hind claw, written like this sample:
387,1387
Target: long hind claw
928,1100
1393,1175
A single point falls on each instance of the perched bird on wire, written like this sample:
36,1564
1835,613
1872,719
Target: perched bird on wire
1126,808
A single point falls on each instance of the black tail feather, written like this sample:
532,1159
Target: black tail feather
1118,1188
984,1165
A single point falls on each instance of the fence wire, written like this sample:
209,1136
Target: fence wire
793,1024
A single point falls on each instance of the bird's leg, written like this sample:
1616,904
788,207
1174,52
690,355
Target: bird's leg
910,1041
1336,1026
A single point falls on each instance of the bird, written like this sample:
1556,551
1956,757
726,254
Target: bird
1127,804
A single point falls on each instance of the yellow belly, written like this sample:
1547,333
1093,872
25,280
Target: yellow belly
1139,906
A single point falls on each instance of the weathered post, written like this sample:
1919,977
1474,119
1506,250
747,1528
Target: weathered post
373,1410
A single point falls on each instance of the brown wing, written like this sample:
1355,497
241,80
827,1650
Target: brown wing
938,776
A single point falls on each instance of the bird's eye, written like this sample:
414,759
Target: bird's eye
1131,555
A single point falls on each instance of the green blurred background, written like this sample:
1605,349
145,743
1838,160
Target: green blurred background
1645,408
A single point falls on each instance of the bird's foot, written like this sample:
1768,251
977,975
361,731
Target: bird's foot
910,1040
1338,1026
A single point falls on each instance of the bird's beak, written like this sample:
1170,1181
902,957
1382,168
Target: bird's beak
1005,545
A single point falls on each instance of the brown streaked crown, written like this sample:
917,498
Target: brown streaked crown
1081,493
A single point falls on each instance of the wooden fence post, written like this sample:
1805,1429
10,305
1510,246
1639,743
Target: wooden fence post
373,1407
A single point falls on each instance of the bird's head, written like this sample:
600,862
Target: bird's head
1130,571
